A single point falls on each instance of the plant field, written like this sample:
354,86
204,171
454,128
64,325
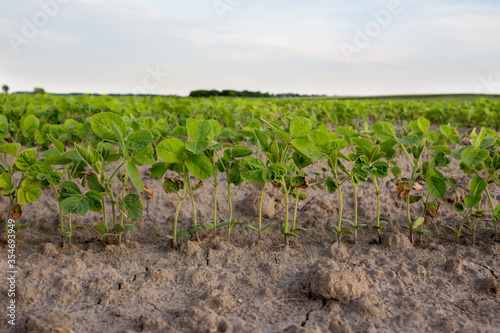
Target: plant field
251,215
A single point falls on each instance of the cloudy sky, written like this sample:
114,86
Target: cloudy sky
312,47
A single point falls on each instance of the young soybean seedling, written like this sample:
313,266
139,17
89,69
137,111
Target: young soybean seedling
279,173
230,165
477,186
134,148
476,159
33,175
189,158
358,174
376,169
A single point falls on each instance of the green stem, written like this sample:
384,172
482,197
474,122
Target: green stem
60,216
493,214
355,212
423,215
260,209
216,183
462,225
340,215
285,191
177,213
70,228
104,213
230,201
377,194
296,206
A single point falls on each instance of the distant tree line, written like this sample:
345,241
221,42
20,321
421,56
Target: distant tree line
244,93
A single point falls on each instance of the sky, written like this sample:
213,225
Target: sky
309,47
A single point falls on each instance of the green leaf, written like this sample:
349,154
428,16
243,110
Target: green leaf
101,228
319,139
139,139
409,140
134,175
131,206
26,159
59,145
274,172
158,169
199,166
385,129
94,199
281,134
306,148
75,205
423,124
380,169
300,126
474,156
471,200
252,169
239,151
144,156
436,187
418,222
248,226
450,132
197,147
10,148
458,207
477,186
331,185
57,160
262,138
171,150
101,125
181,234
204,129
268,224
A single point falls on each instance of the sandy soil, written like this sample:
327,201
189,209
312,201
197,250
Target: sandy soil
313,285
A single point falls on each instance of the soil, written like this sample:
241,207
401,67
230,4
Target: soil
246,285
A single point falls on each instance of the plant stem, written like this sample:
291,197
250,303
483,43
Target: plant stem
340,215
260,209
410,226
285,191
493,214
104,213
230,209
177,214
377,194
70,228
462,224
420,238
216,183
355,212
60,216
296,206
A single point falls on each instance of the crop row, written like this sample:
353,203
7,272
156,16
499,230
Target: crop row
201,148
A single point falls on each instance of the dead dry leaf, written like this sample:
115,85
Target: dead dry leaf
16,211
148,191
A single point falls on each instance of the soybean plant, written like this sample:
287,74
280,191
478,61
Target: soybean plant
134,151
231,166
186,158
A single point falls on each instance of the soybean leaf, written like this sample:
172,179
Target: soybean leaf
436,187
474,156
101,122
239,151
75,205
26,159
171,150
200,166
477,186
306,148
131,206
94,199
197,147
251,170
471,200
138,140
134,175
10,148
300,126
384,128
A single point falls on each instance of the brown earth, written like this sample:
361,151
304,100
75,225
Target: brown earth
243,285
